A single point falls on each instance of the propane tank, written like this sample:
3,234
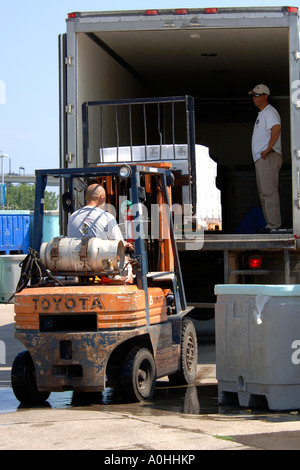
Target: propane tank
85,255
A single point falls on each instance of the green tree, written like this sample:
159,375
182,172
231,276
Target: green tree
21,197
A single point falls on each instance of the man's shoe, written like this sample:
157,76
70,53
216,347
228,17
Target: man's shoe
264,230
269,230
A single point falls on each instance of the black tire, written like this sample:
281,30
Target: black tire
24,382
138,375
188,355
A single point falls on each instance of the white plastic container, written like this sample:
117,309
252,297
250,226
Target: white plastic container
258,345
10,272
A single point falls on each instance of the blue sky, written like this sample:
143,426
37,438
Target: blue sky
29,71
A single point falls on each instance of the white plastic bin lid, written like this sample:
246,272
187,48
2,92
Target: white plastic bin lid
257,289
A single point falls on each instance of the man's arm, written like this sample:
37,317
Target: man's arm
275,133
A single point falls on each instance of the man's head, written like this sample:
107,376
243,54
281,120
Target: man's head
95,195
260,94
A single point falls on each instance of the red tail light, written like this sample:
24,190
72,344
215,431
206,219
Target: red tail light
292,10
72,15
181,11
151,12
211,10
254,261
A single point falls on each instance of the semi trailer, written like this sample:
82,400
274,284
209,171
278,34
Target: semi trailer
173,85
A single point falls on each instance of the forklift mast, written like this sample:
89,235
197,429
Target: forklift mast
146,186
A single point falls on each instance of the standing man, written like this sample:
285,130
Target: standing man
267,156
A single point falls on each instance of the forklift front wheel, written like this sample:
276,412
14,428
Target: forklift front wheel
138,375
23,380
188,355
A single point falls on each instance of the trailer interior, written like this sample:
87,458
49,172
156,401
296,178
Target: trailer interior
217,67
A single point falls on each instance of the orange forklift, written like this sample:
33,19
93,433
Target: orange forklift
83,325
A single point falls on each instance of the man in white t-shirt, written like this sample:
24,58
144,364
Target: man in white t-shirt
267,156
92,220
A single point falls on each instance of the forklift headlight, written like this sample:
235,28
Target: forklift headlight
124,171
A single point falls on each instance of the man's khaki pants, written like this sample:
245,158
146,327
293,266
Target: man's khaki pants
267,177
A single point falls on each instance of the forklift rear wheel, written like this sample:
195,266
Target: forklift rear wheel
138,375
188,355
23,380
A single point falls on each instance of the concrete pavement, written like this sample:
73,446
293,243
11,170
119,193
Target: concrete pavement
186,419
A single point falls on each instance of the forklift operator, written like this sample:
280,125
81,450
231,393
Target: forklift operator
92,220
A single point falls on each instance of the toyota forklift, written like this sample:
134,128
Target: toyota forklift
85,322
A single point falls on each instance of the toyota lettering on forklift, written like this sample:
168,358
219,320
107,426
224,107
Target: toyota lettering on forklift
91,316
